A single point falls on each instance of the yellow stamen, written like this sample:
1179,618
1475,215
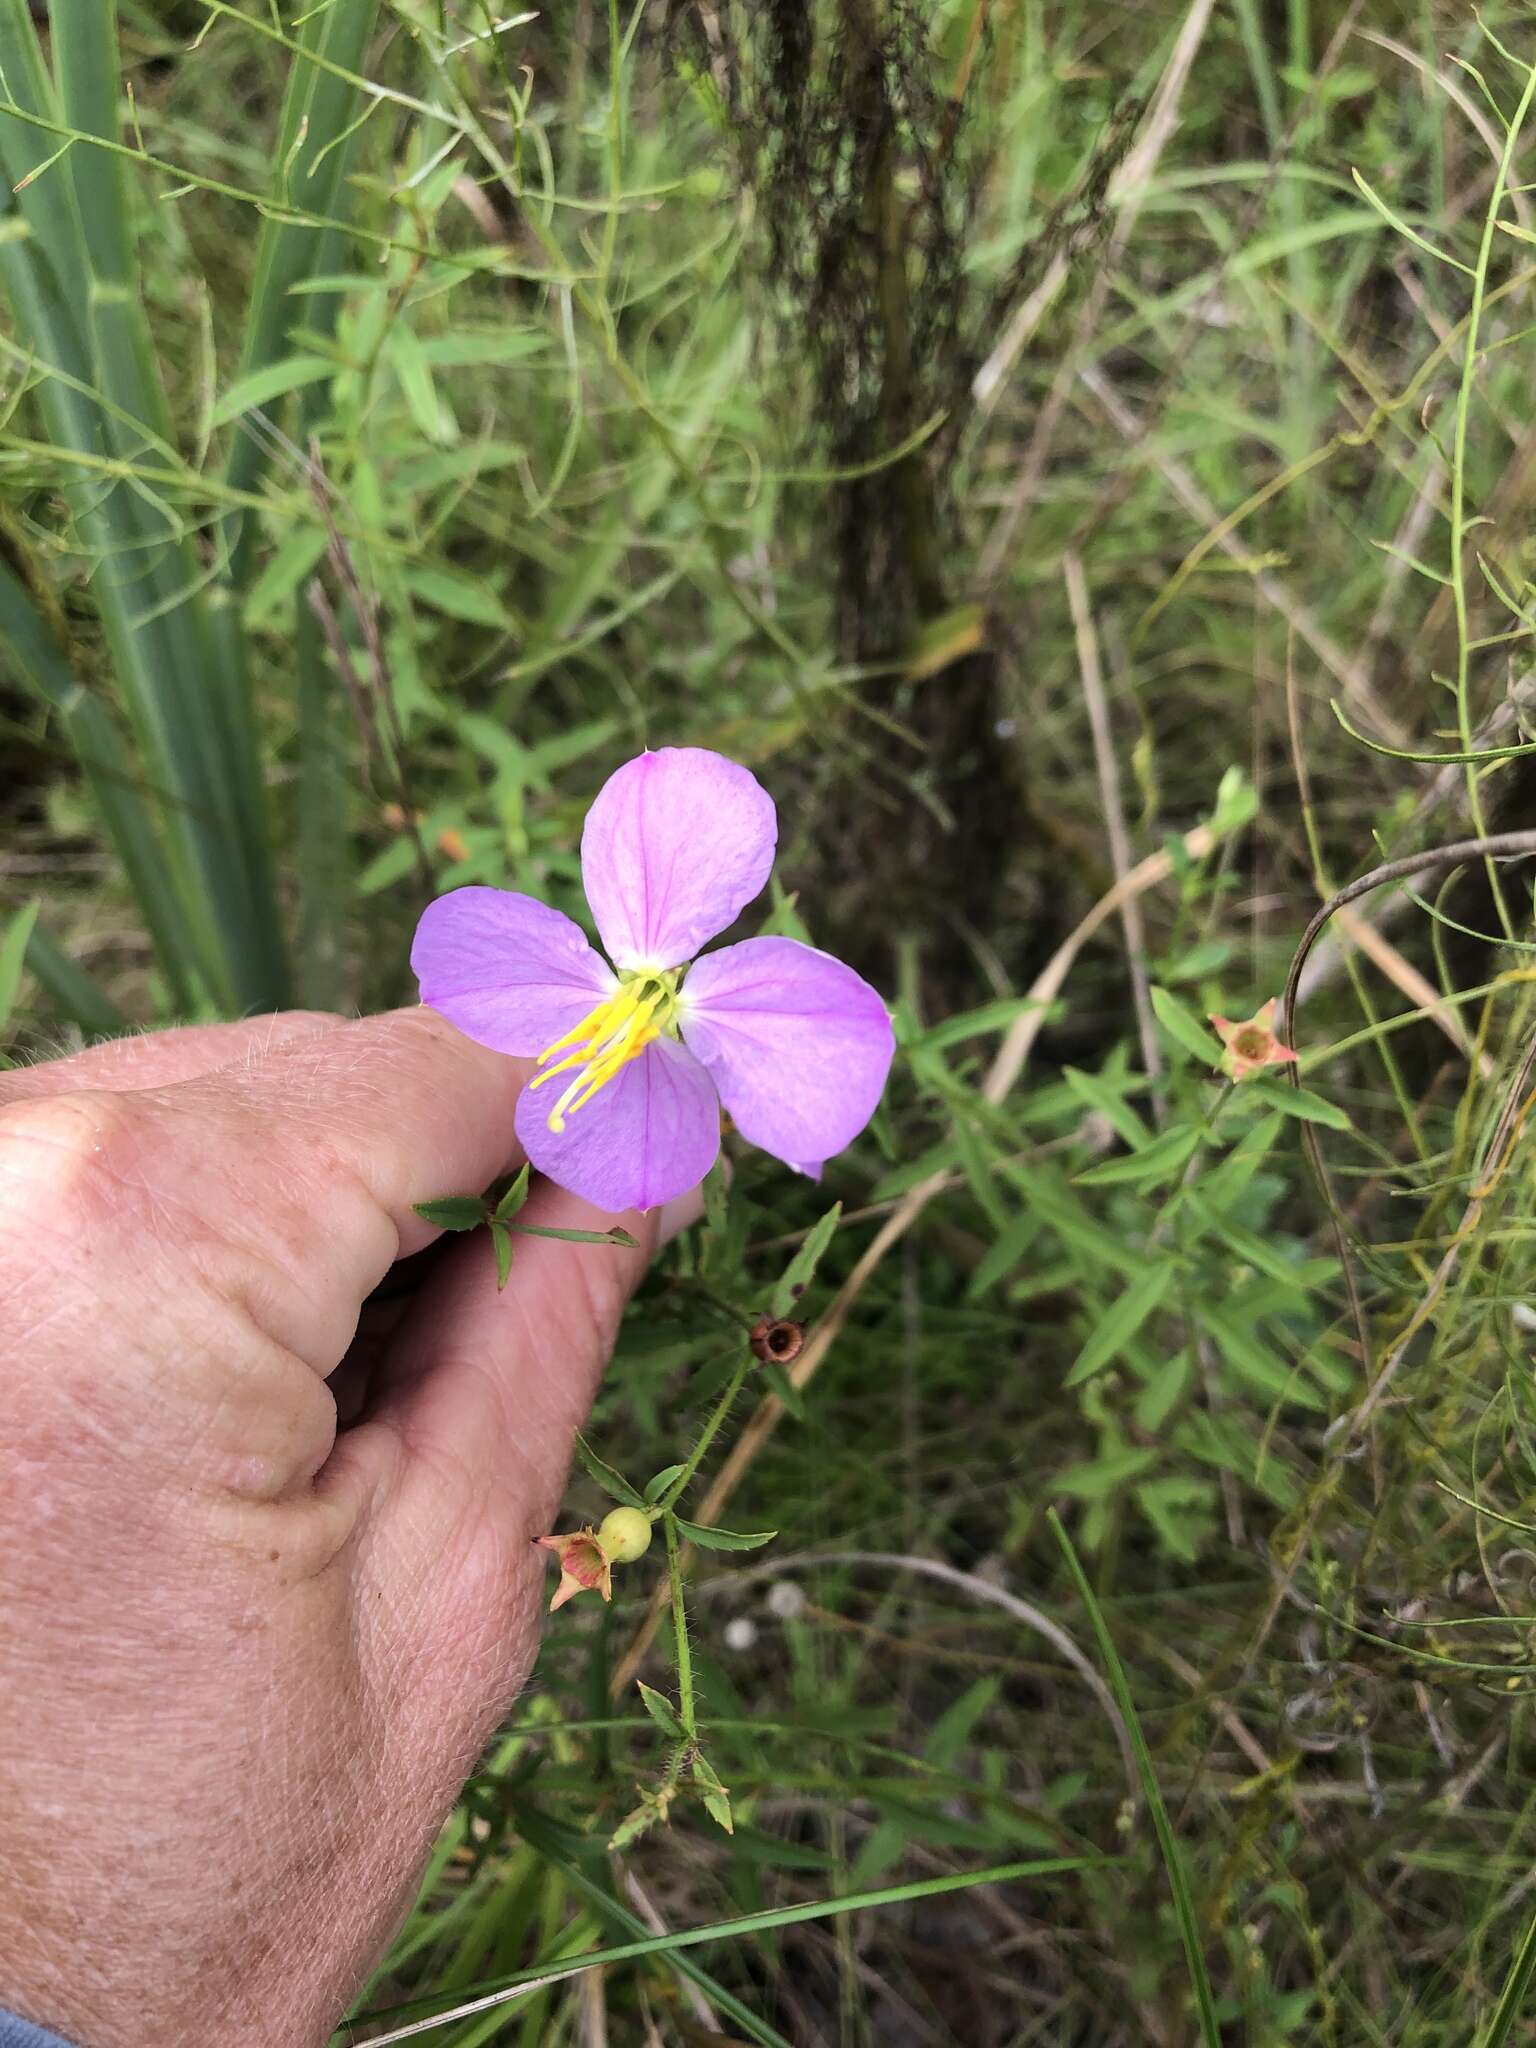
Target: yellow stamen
606,1040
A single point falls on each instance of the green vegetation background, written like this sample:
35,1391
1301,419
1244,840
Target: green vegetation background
1082,458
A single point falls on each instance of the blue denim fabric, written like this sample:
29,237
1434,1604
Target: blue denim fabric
15,2033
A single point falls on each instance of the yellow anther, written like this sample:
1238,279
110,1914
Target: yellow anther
604,1043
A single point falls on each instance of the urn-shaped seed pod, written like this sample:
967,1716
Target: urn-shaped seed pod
776,1342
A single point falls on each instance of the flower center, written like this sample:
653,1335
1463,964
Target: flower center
609,1037
1252,1042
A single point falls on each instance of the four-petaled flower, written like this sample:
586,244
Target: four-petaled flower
1252,1043
795,1045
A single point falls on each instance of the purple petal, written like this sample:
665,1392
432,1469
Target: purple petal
677,843
508,971
652,1133
798,1045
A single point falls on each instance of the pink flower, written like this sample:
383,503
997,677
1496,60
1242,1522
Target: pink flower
585,1567
1252,1044
792,1043
587,1556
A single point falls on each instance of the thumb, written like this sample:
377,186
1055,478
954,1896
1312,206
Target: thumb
485,1390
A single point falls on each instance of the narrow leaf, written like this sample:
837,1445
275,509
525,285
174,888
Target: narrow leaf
612,1482
453,1212
724,1539
657,1486
13,954
1184,1027
1120,1324
801,1270
617,1237
660,1711
1158,1161
501,1238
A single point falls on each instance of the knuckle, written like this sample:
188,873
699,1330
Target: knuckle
68,1159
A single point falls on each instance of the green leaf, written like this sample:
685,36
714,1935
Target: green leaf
613,1483
717,1198
1096,1478
1184,1027
1160,1395
1179,1509
1125,1316
13,953
717,1801
388,865
990,1017
1103,1096
660,1711
460,597
657,1485
801,1270
514,1198
249,394
724,1539
1158,1161
955,1726
454,1212
414,375
501,1238
1298,1102
1251,1359
619,1238
1003,1254
779,1383
1173,1861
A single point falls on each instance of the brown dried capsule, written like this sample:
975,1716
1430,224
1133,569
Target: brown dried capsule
776,1342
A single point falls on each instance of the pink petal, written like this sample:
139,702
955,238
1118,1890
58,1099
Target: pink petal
509,972
676,845
798,1045
651,1134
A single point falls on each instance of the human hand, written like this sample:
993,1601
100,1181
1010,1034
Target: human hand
247,1661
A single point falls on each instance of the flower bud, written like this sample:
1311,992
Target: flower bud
624,1535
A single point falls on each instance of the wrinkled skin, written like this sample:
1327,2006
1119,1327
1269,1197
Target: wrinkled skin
246,1661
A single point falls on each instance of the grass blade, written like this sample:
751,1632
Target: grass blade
1512,1998
319,111
724,1930
34,658
1178,1882
72,989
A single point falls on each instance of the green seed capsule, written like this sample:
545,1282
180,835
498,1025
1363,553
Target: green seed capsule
624,1535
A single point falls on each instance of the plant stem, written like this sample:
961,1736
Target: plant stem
711,1429
686,1709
